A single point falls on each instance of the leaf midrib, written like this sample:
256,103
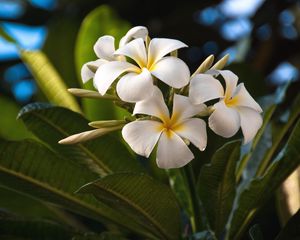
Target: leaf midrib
106,170
102,215
138,208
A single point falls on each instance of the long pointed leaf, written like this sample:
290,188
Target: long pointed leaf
103,155
258,191
49,80
217,185
32,169
143,199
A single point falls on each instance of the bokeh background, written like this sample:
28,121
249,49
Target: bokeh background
261,36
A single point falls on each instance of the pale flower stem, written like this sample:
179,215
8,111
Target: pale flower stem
171,96
184,90
78,92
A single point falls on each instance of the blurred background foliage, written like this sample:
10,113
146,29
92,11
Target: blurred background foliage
261,36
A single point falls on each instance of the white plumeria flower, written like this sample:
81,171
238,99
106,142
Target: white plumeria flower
169,132
104,49
235,109
137,83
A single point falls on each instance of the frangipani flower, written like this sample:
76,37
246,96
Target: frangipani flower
137,83
169,132
104,49
235,109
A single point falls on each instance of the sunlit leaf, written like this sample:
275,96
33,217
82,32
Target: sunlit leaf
49,80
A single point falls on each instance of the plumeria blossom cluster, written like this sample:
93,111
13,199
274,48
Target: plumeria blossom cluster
168,121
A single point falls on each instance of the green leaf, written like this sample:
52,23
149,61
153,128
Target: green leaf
259,190
180,189
33,229
104,155
102,236
252,155
60,44
291,230
101,21
49,80
10,128
259,145
217,186
6,36
33,169
278,136
143,199
24,205
255,233
204,235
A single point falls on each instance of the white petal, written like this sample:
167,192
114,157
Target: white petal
251,122
194,130
105,47
183,108
87,73
136,50
159,47
172,71
154,106
135,87
231,81
135,32
224,121
142,136
244,99
108,73
204,87
172,152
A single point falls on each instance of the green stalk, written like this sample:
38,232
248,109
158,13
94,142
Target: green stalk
196,218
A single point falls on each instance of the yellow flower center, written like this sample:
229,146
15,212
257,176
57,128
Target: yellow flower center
230,102
170,125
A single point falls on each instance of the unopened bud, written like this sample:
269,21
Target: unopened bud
221,63
107,124
205,65
88,135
